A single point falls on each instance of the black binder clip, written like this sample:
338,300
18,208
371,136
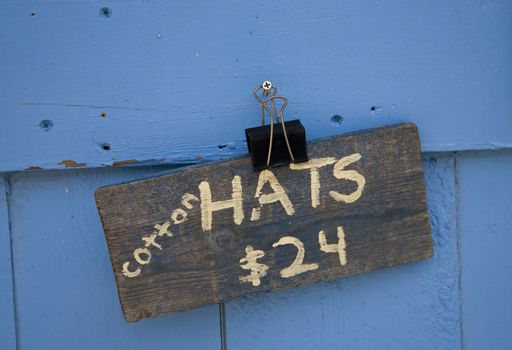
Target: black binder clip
280,142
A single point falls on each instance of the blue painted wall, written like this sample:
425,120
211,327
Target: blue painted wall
167,73
485,241
164,82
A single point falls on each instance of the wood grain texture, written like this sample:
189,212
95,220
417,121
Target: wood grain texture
387,226
155,77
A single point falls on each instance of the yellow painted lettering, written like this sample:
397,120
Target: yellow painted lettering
178,216
279,195
313,165
334,248
128,273
208,206
297,267
139,252
186,199
351,175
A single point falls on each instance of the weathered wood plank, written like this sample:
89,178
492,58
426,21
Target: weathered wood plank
173,250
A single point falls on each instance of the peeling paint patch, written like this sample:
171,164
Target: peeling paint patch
31,168
124,162
68,163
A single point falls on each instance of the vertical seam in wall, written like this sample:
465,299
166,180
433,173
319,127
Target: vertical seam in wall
13,276
459,251
222,318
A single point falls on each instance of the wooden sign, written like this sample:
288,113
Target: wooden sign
206,234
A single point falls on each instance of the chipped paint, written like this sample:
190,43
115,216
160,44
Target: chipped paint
69,163
124,162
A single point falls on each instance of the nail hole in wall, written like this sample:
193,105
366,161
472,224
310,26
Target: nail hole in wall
103,114
105,147
105,12
46,124
336,120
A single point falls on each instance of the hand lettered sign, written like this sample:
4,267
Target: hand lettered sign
206,234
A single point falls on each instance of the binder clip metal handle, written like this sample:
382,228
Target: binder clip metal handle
273,118
280,142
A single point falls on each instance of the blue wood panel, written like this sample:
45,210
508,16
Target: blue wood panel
174,79
486,241
66,293
408,307
7,318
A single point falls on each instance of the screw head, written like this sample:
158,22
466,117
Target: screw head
267,85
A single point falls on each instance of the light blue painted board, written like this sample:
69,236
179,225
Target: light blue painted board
175,78
408,307
7,318
486,240
66,293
